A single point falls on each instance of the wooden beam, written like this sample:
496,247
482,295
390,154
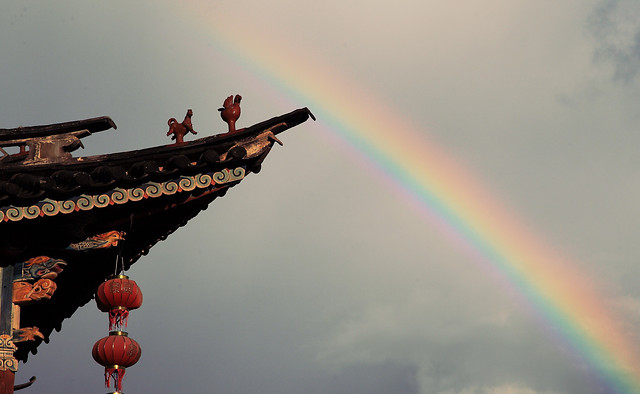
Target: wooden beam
93,125
7,380
9,364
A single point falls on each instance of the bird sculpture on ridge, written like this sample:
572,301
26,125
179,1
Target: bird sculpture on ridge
230,111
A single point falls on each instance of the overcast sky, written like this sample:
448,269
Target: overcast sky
315,276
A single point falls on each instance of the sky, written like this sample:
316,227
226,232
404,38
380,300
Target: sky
461,218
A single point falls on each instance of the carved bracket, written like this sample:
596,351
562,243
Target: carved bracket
100,241
41,267
26,334
25,293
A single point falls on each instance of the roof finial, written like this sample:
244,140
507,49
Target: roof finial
179,130
230,111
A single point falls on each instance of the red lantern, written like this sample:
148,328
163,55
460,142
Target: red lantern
118,296
115,353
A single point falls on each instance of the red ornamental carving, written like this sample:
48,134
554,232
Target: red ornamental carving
230,111
118,296
116,353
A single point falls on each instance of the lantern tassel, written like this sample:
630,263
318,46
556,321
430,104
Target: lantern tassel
117,317
115,374
108,373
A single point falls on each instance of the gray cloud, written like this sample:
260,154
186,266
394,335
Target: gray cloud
616,29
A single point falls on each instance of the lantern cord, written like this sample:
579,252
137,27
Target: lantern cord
119,258
115,268
120,252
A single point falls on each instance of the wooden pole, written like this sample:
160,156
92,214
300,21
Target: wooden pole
9,364
7,380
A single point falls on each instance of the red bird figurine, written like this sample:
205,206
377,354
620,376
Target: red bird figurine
230,111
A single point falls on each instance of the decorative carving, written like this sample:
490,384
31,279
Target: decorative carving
55,148
179,130
41,267
230,111
86,202
7,361
26,334
100,241
249,148
25,293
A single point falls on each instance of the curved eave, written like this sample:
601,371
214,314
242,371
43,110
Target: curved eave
219,142
92,125
23,184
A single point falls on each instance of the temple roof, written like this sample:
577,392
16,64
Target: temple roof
59,209
22,183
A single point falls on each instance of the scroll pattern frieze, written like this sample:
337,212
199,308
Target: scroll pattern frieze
49,207
7,361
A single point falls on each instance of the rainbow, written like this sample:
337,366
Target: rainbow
561,296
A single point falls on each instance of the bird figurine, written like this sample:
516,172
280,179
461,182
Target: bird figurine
230,111
100,241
